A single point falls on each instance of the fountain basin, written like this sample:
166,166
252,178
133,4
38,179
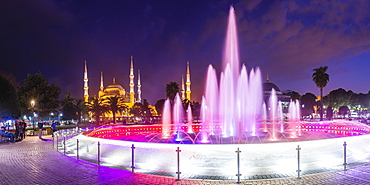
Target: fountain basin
221,159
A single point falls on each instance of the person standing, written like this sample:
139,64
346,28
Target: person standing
19,132
16,125
54,126
40,125
24,128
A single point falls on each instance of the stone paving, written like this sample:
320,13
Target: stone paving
35,161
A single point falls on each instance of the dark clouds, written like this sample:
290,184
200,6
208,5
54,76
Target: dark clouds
287,39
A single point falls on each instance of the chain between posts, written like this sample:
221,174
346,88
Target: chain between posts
133,159
345,156
238,161
178,164
299,167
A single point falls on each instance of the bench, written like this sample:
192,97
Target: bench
47,131
4,139
30,133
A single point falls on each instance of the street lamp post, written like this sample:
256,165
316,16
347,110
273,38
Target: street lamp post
33,116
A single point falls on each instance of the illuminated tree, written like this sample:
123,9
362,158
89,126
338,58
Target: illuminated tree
97,108
36,87
115,105
321,78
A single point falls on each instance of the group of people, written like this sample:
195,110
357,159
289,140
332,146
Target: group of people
5,133
20,130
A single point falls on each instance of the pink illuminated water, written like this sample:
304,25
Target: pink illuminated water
273,113
166,119
178,115
240,95
280,116
190,119
294,118
233,107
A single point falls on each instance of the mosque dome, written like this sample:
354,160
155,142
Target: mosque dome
267,86
114,89
115,86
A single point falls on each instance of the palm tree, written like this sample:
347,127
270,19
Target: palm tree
115,104
96,107
321,78
172,89
80,107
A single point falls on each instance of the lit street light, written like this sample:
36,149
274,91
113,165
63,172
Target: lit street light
33,117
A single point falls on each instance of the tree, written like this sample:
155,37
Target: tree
141,109
73,108
9,105
137,110
329,113
337,98
97,108
172,89
147,110
36,87
294,95
308,101
80,108
68,108
343,110
321,78
115,105
159,106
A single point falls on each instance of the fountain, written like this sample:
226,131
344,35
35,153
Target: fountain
233,115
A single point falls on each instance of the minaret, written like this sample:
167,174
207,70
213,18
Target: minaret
188,91
101,81
138,87
132,84
86,86
101,91
182,87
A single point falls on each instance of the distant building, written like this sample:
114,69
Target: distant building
114,89
281,96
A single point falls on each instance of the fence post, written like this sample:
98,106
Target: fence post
178,164
345,156
98,153
299,168
133,159
53,140
57,143
238,161
78,156
64,143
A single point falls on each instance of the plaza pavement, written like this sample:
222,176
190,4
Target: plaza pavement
35,161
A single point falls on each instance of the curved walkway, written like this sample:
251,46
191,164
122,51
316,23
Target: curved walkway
35,161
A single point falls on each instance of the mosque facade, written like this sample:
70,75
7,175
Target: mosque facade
115,90
127,96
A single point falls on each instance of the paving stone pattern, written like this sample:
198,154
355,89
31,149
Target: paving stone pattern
35,161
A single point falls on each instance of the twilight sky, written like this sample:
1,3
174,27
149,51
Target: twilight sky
286,39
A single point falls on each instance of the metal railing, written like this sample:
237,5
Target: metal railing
60,138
